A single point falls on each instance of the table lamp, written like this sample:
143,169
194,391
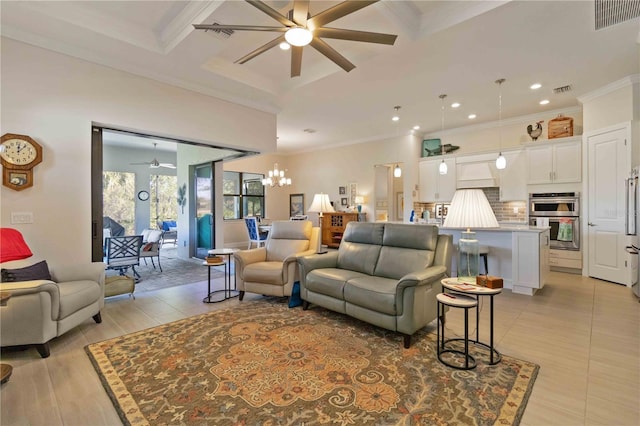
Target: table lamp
469,209
359,199
320,204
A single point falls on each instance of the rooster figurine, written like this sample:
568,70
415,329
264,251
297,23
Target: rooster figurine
535,132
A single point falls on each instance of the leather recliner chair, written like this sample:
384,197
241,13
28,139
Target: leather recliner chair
40,310
272,270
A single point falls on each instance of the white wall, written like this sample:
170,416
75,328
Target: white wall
56,98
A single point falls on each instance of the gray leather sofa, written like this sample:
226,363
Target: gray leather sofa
385,274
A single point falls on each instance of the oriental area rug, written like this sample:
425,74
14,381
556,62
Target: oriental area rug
262,363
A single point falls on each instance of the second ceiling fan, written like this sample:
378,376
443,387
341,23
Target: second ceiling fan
154,164
300,29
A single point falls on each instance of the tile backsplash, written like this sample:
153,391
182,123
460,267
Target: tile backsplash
509,211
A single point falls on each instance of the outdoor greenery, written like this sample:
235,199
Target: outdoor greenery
118,198
246,199
164,205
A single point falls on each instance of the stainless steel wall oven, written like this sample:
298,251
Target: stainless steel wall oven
562,212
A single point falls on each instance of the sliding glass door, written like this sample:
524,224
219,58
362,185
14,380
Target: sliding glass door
205,209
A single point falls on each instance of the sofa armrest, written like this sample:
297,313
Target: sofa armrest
26,288
422,277
243,258
296,256
317,261
93,271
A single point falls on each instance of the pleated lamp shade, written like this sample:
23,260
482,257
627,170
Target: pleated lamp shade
470,209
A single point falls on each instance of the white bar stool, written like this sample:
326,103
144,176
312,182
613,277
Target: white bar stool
455,301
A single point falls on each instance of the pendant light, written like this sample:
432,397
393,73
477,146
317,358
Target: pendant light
501,162
397,171
443,166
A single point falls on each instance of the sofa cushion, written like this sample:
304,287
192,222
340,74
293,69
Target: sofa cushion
375,293
264,272
396,262
75,295
287,238
37,271
419,237
330,281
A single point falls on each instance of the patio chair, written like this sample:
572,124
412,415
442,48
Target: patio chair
123,253
151,246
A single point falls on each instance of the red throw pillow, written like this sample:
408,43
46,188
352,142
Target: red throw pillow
12,245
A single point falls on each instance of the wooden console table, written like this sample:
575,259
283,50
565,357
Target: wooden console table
334,224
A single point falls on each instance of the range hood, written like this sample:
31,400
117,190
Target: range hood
477,174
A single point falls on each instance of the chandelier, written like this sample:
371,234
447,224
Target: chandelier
276,178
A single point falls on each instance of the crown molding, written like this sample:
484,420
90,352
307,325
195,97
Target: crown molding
611,87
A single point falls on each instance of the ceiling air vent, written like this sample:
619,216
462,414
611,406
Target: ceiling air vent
221,33
562,89
611,12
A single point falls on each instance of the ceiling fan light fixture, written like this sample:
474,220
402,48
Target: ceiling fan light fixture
285,46
298,36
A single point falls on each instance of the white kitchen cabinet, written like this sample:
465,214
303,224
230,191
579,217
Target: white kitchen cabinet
513,179
530,261
435,187
555,162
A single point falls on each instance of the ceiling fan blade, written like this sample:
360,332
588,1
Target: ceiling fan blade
301,12
296,61
208,27
272,13
353,35
332,54
167,165
260,50
145,163
337,12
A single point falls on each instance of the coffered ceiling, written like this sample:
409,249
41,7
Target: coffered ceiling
455,47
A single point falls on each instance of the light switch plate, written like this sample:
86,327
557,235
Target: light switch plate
21,217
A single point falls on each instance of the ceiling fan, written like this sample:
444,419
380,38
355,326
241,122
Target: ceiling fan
301,29
154,164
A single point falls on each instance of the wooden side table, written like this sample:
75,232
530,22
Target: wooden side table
5,369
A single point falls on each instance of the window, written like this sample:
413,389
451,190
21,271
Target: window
243,195
163,199
118,189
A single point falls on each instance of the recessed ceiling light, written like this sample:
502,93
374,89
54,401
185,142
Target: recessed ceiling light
455,105
416,127
544,101
535,86
472,116
285,46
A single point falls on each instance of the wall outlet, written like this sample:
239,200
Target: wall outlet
21,217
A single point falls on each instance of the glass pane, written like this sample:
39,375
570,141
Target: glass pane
164,205
231,183
118,189
253,206
231,207
204,210
253,184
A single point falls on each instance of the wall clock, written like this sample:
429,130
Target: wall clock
19,154
143,195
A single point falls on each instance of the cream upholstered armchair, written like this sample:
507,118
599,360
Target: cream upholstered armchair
272,270
40,309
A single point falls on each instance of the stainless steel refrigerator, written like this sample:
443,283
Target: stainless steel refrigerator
632,223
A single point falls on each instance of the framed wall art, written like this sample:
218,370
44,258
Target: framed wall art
342,190
296,204
343,201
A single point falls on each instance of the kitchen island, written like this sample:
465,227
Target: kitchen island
519,254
